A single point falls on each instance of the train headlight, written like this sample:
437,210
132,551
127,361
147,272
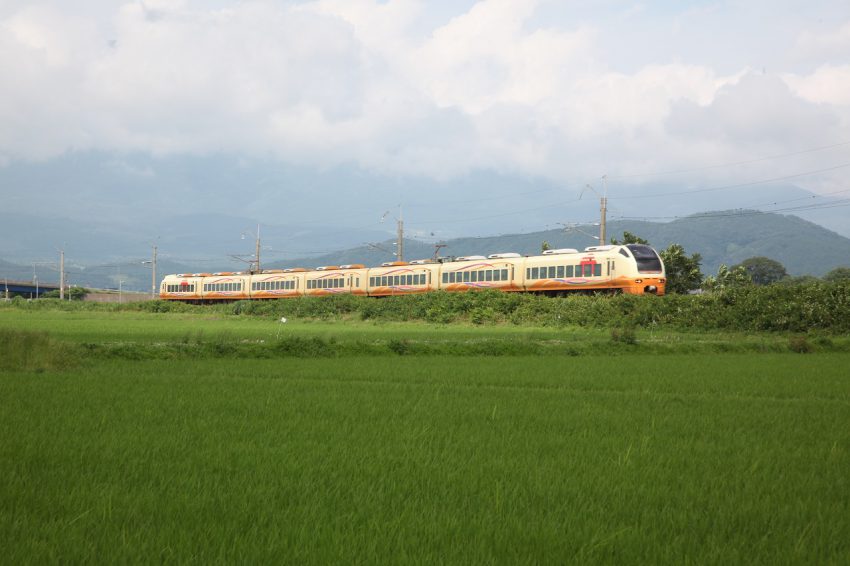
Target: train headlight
638,280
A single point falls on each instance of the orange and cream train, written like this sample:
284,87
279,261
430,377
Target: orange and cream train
634,269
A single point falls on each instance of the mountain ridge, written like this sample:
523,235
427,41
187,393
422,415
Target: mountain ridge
719,237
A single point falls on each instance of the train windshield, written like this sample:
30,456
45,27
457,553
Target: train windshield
647,260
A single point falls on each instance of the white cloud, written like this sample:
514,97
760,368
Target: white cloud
829,84
350,81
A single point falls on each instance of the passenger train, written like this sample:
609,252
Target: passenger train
633,269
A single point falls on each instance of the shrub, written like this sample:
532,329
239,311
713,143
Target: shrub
800,344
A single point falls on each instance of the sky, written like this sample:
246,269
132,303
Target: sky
465,117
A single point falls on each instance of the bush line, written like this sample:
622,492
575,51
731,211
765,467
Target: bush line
822,306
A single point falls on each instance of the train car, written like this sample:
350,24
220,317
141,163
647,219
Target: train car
335,280
496,271
403,278
277,283
633,269
226,286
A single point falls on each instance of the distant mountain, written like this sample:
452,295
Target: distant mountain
721,237
193,240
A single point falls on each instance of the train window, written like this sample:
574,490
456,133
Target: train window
473,277
646,258
528,273
588,270
488,275
569,271
624,252
560,271
504,275
497,275
552,269
534,272
467,277
597,270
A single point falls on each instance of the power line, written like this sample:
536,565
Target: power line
743,212
730,164
735,186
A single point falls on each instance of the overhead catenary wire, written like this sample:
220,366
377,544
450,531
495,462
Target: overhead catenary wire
729,164
736,185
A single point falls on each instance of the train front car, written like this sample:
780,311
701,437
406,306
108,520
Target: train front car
646,270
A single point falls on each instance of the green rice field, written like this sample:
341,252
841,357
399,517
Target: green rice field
130,437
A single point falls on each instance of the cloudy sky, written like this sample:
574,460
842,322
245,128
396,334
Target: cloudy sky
317,111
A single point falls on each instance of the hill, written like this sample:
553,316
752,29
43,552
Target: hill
720,237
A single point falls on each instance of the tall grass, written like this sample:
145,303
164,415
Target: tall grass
661,460
22,350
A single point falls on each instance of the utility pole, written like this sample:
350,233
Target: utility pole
399,247
603,209
153,277
258,249
61,275
437,248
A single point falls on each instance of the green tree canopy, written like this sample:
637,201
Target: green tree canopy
726,278
545,246
838,274
683,272
74,293
764,270
629,238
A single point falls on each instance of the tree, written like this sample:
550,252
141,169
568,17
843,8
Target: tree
838,274
683,272
629,238
545,246
726,278
764,270
73,294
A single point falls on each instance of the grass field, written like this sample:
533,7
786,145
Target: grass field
563,454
